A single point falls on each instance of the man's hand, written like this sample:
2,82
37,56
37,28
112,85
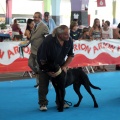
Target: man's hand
55,74
64,69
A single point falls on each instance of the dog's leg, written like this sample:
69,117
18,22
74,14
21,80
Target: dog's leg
85,81
77,90
93,97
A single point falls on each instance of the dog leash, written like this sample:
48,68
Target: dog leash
67,102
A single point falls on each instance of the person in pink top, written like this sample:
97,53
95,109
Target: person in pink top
16,30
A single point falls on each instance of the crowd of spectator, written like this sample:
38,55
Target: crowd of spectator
96,32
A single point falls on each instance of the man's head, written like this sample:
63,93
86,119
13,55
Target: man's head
46,16
62,32
37,17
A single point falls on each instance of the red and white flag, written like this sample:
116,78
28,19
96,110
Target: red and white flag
101,3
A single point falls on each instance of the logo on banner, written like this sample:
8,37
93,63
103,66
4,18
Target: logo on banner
101,3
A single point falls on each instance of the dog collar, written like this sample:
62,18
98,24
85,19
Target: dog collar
58,72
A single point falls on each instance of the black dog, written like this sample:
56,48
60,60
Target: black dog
75,76
78,77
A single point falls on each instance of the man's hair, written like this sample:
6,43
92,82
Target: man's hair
46,14
39,13
59,30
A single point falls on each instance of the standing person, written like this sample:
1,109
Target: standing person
29,28
96,34
107,33
49,22
96,31
37,37
53,50
16,30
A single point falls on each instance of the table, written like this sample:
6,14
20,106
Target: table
4,36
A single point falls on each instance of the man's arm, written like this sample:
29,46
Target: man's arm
45,30
41,54
69,58
67,62
53,22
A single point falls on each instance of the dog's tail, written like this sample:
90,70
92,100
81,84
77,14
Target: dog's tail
94,87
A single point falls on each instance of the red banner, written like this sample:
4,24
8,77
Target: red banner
10,60
19,65
101,3
87,53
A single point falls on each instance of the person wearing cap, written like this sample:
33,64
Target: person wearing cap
49,22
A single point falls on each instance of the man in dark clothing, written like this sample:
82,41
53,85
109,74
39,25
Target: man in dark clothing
53,51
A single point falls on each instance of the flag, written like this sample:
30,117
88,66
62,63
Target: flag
101,3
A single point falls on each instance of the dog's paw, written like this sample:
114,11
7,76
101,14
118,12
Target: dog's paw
60,109
76,105
96,106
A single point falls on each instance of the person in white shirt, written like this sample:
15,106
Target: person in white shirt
49,22
107,32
